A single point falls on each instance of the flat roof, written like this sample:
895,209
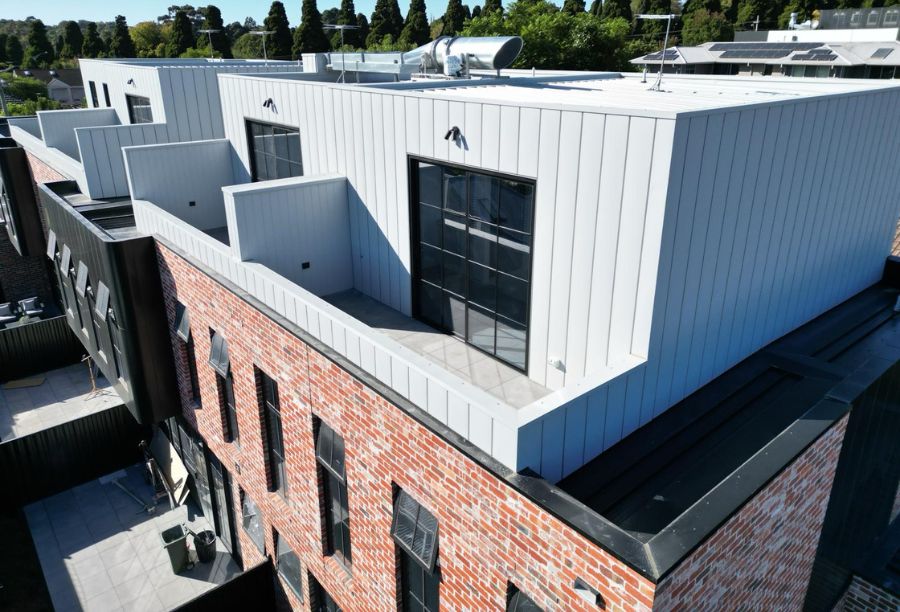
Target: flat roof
191,62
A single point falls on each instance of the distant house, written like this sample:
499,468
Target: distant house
63,85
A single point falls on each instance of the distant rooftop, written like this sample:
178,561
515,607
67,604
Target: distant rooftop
177,62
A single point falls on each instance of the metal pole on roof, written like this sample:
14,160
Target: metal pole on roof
263,33
209,34
341,27
662,65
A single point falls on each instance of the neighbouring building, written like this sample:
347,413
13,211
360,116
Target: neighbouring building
512,342
63,84
845,43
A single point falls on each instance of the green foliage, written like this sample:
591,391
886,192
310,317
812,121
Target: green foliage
309,37
147,37
14,52
93,44
453,19
181,37
194,52
278,44
701,26
25,88
615,8
220,42
386,21
120,44
363,32
346,16
415,31
491,6
38,50
30,107
710,6
573,7
248,46
476,12
72,41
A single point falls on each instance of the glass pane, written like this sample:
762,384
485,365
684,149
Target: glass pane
511,343
482,286
481,329
454,273
268,140
455,234
454,315
430,225
512,298
514,254
293,146
515,205
430,264
281,144
271,167
455,190
283,168
484,200
430,184
432,584
483,243
430,307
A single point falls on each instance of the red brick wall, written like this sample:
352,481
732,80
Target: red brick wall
763,555
489,533
863,596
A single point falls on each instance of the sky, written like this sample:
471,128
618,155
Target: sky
52,12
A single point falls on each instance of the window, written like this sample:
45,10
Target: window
139,110
330,457
220,362
183,331
115,334
106,95
6,210
81,289
274,151
288,565
95,103
891,18
517,601
320,600
414,530
271,416
251,521
472,256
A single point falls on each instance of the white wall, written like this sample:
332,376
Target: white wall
774,215
282,224
101,155
834,36
116,76
58,127
174,175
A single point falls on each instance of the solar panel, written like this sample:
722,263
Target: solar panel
759,54
670,55
882,53
764,46
814,57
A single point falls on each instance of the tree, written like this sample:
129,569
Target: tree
386,21
92,45
476,12
248,46
235,30
182,36
701,26
711,6
72,40
616,8
14,52
147,37
213,21
363,32
490,6
25,88
279,42
120,43
346,16
573,7
453,19
3,39
415,31
38,50
309,37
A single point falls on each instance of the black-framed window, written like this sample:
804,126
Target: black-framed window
472,256
517,601
139,109
93,89
320,599
336,512
221,364
6,210
271,413
183,331
106,95
287,563
415,532
251,521
274,151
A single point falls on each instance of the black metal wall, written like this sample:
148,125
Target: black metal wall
251,590
24,228
37,347
55,459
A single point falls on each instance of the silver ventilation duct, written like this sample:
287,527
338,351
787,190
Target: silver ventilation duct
481,53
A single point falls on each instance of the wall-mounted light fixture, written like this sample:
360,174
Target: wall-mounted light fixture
130,82
452,133
269,103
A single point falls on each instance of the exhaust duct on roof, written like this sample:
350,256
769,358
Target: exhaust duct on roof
481,53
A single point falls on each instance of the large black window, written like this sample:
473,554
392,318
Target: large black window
288,565
106,95
321,601
415,531
274,151
472,254
251,521
139,110
183,331
220,362
271,413
330,456
517,601
93,88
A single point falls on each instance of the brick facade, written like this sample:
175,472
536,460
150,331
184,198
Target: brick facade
763,555
489,533
863,596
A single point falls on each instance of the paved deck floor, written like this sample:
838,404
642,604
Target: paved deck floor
99,550
65,395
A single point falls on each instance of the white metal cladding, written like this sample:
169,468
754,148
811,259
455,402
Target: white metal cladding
596,175
308,218
774,215
58,127
101,155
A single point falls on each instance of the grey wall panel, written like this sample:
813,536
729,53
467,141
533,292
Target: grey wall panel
58,127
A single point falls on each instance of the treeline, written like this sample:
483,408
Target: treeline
604,35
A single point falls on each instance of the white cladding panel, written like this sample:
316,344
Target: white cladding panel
116,76
774,215
102,159
596,176
58,127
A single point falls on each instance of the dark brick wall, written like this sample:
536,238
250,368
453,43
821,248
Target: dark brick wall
863,596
